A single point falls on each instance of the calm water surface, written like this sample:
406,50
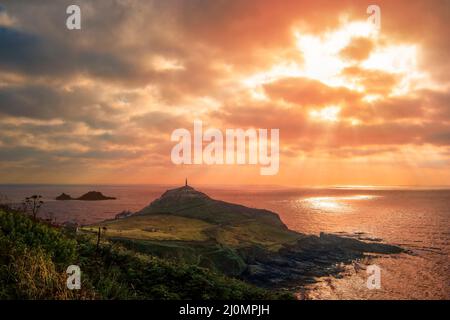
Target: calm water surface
418,220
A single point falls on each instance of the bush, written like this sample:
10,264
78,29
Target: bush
33,259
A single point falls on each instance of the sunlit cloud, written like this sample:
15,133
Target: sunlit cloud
329,114
343,94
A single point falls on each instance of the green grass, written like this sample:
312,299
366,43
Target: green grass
168,227
155,227
213,256
34,257
196,242
255,233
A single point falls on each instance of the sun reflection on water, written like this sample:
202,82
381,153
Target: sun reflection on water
336,204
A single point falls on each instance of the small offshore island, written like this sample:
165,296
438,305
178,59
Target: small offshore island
89,196
186,225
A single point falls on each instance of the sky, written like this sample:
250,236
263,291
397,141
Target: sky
353,105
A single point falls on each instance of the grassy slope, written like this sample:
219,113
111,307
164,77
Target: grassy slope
167,227
190,240
156,227
34,257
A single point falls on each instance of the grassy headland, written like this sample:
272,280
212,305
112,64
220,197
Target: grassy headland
34,257
186,225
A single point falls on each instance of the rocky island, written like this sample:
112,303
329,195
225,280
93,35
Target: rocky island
89,196
64,197
94,196
251,244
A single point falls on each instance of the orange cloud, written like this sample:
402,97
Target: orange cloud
104,103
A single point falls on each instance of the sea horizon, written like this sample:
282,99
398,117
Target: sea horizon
260,186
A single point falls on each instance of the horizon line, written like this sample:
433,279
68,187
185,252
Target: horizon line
339,186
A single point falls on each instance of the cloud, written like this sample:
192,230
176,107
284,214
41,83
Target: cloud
359,49
43,102
297,128
159,121
373,81
308,92
389,109
104,98
34,55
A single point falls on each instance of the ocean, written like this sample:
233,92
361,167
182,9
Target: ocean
415,219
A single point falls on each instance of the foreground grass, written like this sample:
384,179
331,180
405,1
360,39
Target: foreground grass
34,257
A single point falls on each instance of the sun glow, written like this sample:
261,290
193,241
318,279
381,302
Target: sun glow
321,57
322,60
328,114
282,70
400,60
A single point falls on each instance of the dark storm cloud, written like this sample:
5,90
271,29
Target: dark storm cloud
34,55
43,102
116,43
37,101
35,154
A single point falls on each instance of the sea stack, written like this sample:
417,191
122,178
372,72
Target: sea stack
63,197
94,196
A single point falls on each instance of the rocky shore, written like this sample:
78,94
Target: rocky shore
310,257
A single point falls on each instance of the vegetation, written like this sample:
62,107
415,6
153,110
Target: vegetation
33,204
167,227
155,227
35,255
186,226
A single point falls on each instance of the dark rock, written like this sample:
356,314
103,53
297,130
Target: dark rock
311,257
64,196
94,196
